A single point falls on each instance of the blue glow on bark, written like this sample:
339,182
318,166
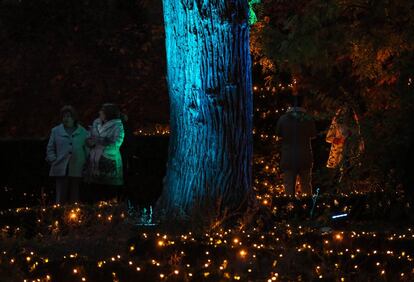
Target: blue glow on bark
252,14
209,81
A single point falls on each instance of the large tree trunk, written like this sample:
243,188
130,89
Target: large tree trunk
209,79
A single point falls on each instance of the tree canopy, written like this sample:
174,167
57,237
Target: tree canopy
357,53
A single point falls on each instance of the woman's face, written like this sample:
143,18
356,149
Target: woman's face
102,115
68,120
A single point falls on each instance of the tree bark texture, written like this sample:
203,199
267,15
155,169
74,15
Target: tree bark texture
210,89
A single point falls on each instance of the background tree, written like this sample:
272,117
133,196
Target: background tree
209,79
354,53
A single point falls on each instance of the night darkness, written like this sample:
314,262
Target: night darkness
83,53
200,140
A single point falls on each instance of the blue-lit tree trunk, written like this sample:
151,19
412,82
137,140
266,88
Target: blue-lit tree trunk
209,79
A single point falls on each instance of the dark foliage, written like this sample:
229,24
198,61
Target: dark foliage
83,53
354,54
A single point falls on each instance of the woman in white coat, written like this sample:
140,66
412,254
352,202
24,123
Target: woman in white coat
104,165
66,153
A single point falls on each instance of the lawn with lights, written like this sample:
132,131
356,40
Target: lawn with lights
276,240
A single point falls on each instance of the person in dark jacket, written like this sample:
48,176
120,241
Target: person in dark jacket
296,129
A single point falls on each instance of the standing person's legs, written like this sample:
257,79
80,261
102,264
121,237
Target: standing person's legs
116,192
91,193
106,192
120,193
62,190
99,192
74,183
289,181
305,177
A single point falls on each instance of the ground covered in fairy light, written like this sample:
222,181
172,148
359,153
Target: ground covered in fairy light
277,240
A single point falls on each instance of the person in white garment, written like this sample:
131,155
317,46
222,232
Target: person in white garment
66,153
104,166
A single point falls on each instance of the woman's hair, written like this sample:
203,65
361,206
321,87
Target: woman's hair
111,111
71,110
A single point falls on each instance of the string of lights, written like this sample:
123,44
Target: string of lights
233,254
251,252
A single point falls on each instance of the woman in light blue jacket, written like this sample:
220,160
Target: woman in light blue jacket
66,154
